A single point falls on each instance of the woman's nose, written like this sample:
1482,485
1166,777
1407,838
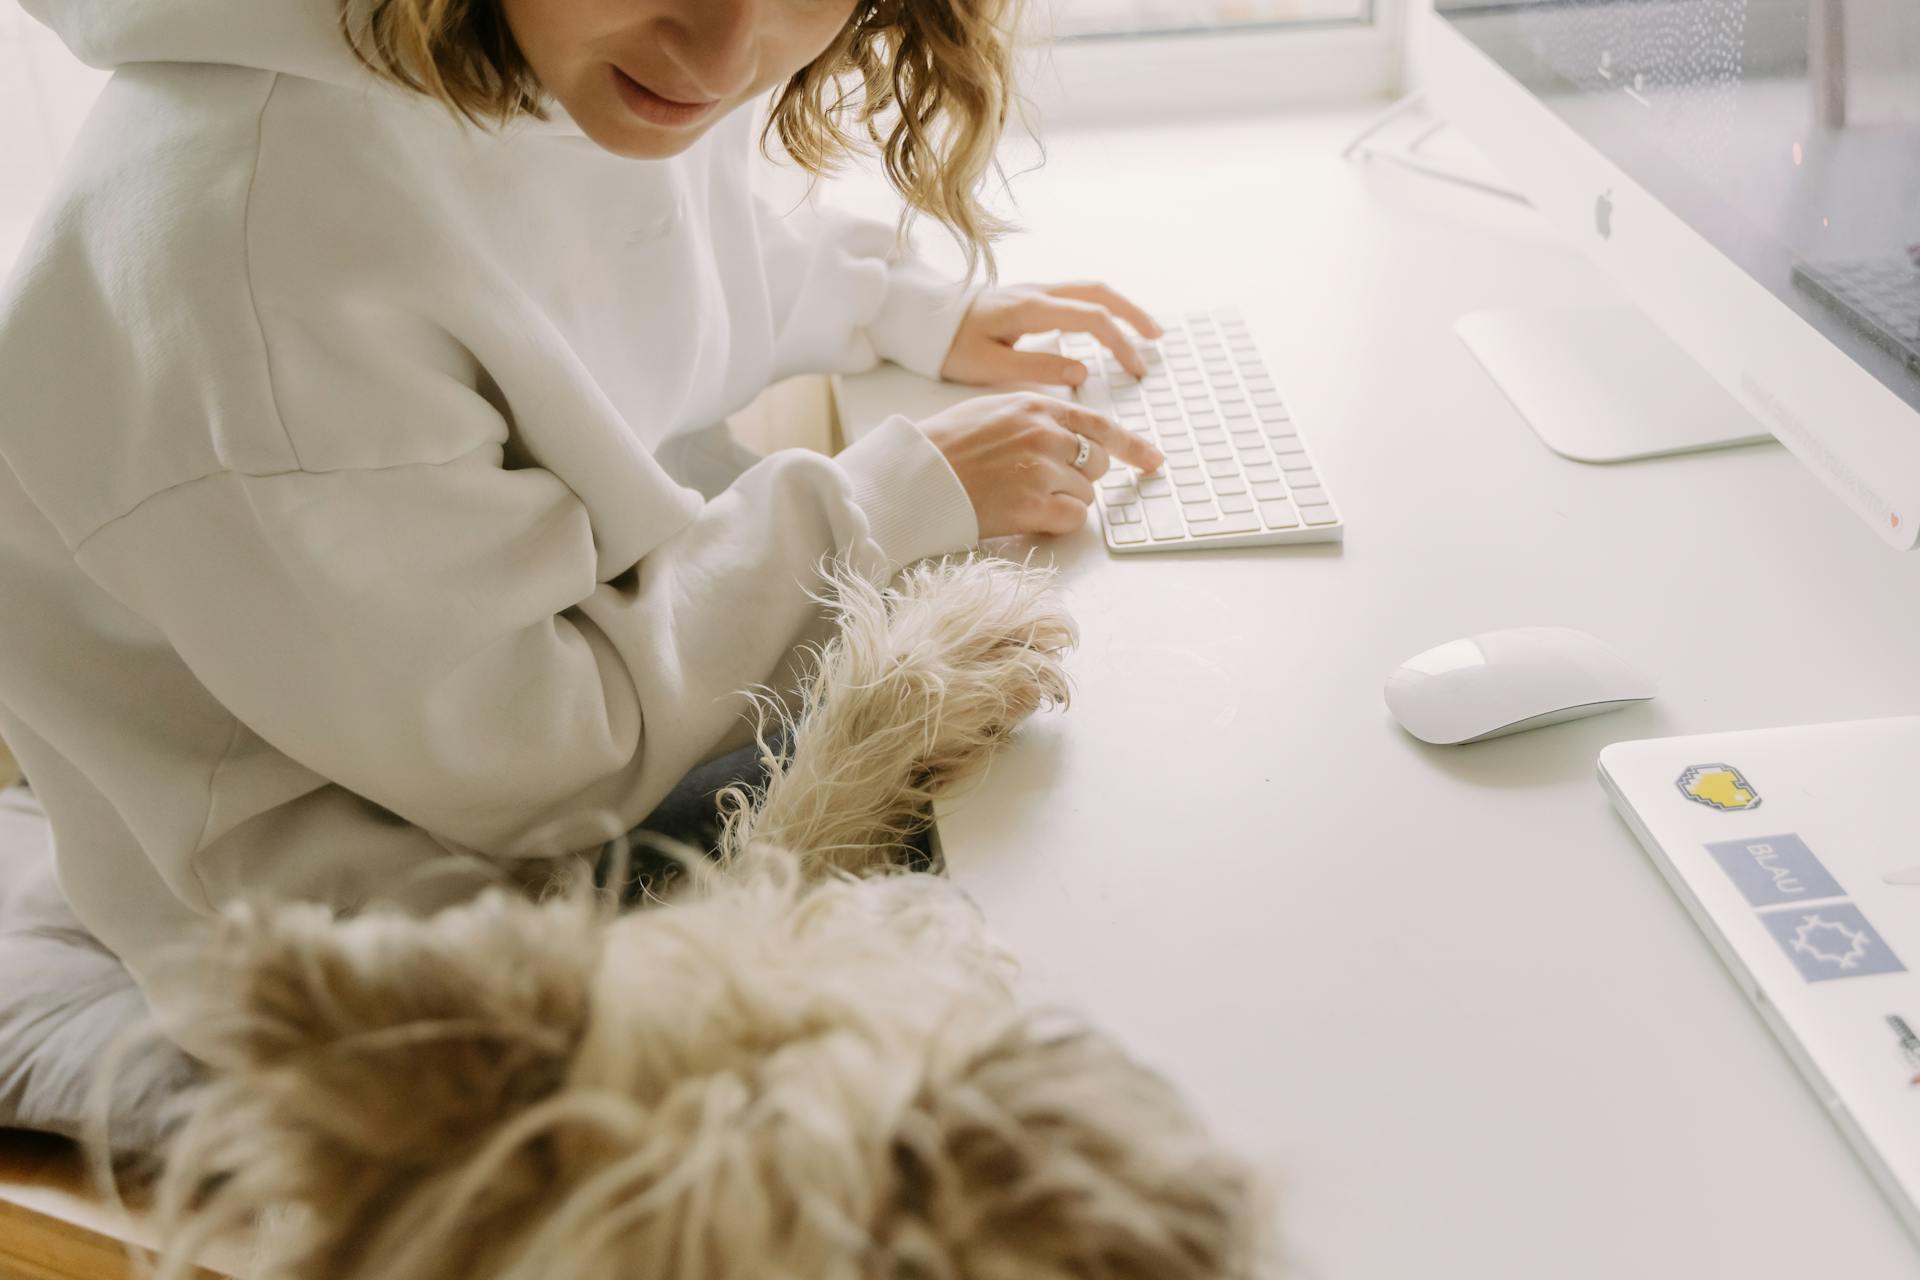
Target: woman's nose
716,44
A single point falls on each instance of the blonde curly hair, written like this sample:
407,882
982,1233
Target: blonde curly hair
935,86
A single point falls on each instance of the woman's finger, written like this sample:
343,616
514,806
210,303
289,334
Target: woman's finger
1041,366
1111,299
1060,514
1044,311
1102,430
1069,480
1098,458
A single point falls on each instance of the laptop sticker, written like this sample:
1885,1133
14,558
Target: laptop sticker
1718,786
1833,941
1770,870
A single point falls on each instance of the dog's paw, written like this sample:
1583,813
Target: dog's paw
920,683
987,638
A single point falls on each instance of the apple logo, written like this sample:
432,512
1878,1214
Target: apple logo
1603,214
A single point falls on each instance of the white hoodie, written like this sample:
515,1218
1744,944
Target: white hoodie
332,538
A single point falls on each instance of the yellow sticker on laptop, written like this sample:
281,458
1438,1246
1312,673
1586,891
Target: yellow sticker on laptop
1718,786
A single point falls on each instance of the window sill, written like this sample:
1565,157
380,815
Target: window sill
1121,79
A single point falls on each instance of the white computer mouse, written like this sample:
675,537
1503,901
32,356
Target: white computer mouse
1502,682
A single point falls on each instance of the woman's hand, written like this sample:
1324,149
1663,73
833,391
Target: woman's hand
1014,454
983,353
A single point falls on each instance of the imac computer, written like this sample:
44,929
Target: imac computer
1749,172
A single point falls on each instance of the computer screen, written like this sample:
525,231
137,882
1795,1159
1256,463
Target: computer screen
1785,132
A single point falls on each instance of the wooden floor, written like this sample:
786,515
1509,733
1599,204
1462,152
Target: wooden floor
53,1226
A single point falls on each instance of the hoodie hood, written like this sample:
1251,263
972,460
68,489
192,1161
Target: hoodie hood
297,37
291,37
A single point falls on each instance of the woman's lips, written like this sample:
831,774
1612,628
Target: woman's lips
653,108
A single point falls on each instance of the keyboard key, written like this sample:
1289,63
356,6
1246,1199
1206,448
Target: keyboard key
1269,490
1230,522
1154,486
1286,446
1190,474
1235,410
1163,519
1235,502
1127,534
1279,515
1229,484
1270,413
1310,495
1192,493
1263,471
1209,435
1318,515
1252,454
1216,452
1127,514
1200,514
1223,467
1207,419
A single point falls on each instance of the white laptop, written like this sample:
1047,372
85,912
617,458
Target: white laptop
1797,850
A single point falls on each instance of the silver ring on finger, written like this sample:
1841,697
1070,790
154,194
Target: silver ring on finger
1086,451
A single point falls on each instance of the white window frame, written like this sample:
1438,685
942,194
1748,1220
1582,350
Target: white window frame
1128,79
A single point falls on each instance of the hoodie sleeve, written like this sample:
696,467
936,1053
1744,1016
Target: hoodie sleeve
845,296
441,639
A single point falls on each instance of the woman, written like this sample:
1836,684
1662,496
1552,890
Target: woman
333,538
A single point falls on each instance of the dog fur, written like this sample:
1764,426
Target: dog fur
806,1065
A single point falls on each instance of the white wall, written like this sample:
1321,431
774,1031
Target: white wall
44,95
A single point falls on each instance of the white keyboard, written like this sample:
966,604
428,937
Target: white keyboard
1237,474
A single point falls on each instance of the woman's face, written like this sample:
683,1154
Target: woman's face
625,70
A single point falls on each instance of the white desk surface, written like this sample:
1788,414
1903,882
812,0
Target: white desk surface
1439,992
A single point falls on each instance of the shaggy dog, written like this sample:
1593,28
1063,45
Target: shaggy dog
808,1064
